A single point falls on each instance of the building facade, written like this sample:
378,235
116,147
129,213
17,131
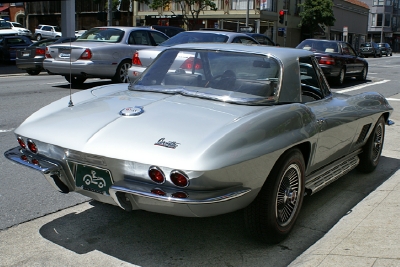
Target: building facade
238,15
384,22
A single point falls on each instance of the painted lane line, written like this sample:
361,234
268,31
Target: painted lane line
393,99
6,131
362,86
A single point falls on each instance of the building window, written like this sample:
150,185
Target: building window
379,19
387,19
268,5
241,4
379,2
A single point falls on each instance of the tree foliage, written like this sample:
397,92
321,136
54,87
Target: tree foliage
316,13
189,9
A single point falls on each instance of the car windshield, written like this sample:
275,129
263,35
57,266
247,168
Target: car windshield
319,46
195,37
57,29
242,78
108,35
16,24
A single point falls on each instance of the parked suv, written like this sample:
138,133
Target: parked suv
46,31
370,49
385,49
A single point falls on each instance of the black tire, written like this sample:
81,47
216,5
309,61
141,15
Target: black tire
372,150
272,215
33,72
75,80
38,37
121,75
363,75
374,54
339,80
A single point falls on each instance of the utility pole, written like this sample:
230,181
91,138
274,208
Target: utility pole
109,13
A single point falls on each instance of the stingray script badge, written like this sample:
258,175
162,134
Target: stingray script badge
169,144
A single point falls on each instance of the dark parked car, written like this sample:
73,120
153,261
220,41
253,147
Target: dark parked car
337,59
370,49
385,49
262,39
31,58
9,45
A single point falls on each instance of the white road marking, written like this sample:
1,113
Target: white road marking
362,86
393,99
6,131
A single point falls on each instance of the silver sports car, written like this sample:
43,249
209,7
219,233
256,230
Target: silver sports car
232,127
101,52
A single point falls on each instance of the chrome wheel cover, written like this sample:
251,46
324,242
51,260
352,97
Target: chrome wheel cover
378,140
123,73
289,192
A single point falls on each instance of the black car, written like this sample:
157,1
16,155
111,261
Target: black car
9,45
262,39
370,49
337,59
31,58
385,49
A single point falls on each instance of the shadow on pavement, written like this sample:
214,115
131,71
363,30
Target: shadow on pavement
149,239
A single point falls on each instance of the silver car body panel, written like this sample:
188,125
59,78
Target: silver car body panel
226,149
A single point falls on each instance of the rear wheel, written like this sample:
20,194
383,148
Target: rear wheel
38,37
121,75
33,72
363,75
75,80
372,150
273,213
340,78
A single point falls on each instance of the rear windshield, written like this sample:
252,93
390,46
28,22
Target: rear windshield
108,35
195,37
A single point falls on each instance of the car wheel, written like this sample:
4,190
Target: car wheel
374,54
391,54
121,75
75,80
38,37
363,75
33,72
372,150
340,77
271,216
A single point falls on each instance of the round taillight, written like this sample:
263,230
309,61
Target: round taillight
156,175
180,195
158,192
179,178
35,161
32,147
24,158
21,142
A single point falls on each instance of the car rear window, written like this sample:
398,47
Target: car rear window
195,37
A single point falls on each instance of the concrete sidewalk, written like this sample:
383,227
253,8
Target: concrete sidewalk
369,235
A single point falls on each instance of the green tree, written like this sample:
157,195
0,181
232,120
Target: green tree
316,13
190,9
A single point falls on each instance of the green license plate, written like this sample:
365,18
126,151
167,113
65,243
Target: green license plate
93,179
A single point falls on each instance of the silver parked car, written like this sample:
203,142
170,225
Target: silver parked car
235,127
101,52
143,58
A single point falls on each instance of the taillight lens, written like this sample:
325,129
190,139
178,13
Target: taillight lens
32,147
180,195
87,54
156,175
326,61
47,54
40,51
188,64
21,142
35,162
136,59
158,192
179,178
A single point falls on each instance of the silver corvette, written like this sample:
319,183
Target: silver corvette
232,127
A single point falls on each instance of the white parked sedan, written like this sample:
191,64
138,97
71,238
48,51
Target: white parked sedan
101,52
143,58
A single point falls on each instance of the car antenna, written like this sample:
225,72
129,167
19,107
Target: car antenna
70,104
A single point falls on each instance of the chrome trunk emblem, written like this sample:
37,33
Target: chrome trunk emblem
131,111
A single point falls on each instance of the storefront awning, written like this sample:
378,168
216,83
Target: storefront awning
3,8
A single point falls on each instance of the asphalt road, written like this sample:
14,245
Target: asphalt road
48,228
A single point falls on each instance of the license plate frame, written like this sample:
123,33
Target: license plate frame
92,178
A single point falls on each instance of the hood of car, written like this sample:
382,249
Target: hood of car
151,128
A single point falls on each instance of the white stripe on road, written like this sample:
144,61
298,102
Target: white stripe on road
6,131
362,86
393,99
